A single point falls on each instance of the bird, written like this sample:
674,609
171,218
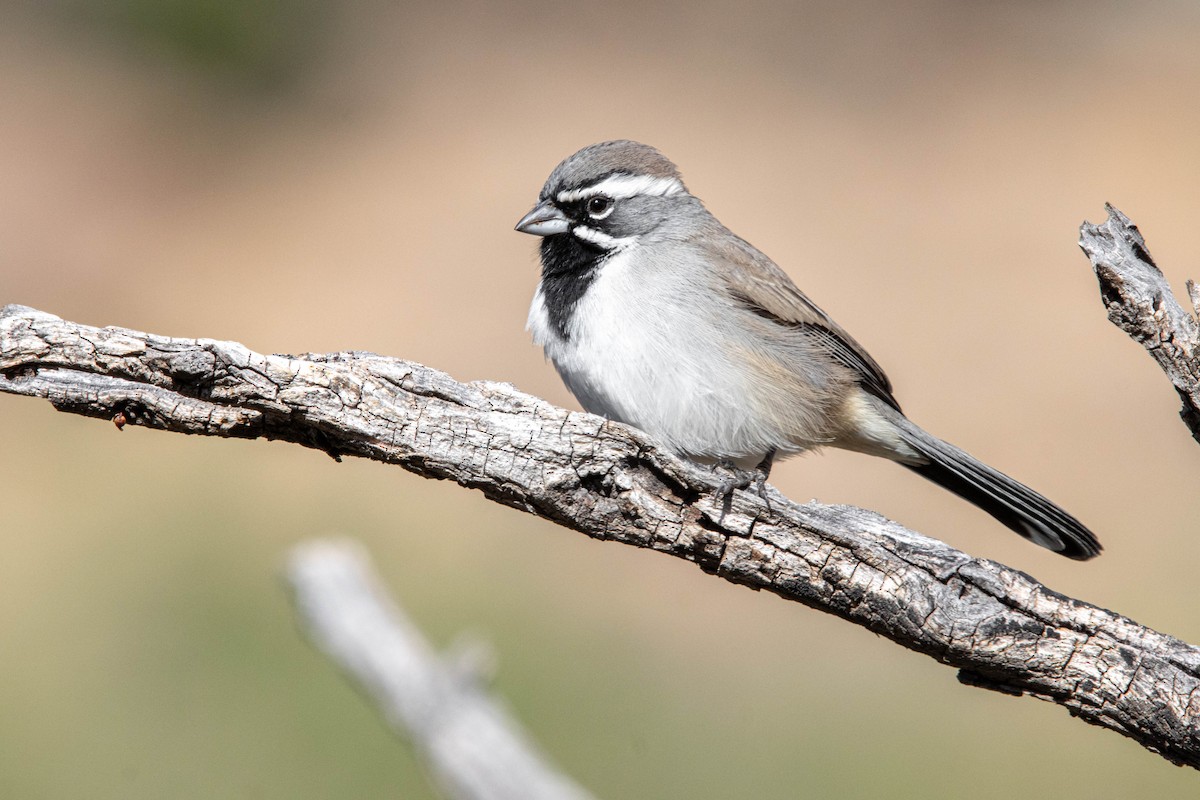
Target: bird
658,316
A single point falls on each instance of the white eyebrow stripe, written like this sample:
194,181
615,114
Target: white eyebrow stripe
619,187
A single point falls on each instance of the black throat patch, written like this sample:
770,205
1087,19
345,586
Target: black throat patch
569,267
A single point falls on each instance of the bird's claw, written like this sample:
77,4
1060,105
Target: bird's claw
737,478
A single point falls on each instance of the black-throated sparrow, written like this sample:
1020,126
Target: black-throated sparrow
657,315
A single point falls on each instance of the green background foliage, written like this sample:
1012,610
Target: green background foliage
302,176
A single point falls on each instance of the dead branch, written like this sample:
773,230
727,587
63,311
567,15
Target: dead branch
474,748
1139,302
1001,628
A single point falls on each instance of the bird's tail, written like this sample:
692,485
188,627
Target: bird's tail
1012,503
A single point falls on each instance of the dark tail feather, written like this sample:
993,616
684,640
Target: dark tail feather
1013,503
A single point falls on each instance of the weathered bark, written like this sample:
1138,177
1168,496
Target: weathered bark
473,747
1139,302
1003,629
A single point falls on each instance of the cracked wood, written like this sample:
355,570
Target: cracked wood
1139,301
1001,628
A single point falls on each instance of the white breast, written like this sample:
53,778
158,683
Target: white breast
642,350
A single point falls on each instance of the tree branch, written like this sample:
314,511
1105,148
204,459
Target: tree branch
1003,629
474,748
1139,302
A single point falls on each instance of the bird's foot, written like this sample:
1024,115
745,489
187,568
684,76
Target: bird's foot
734,478
738,478
761,473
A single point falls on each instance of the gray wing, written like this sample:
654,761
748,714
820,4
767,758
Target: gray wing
764,289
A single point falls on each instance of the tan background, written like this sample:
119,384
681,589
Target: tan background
300,177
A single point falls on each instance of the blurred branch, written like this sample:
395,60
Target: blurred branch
1004,630
1140,302
473,746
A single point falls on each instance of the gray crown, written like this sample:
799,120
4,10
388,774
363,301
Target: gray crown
598,161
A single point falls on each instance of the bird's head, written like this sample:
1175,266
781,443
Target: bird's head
609,196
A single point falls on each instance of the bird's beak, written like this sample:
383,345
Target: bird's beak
544,220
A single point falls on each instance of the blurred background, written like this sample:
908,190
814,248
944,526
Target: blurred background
307,176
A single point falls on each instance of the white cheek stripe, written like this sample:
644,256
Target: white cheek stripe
593,236
619,187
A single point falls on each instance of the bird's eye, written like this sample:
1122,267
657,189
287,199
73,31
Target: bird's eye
599,207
